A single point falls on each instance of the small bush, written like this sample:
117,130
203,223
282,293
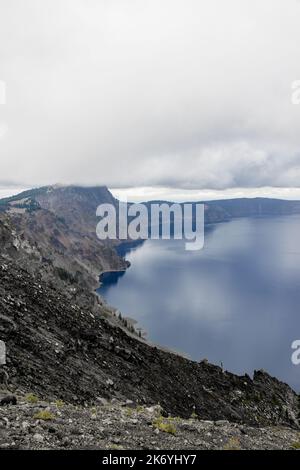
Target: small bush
59,403
296,445
44,415
140,409
164,425
31,398
128,412
116,447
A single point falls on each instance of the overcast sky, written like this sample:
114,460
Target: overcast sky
171,95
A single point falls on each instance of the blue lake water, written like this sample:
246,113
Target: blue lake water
235,302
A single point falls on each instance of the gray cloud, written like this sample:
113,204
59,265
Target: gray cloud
183,93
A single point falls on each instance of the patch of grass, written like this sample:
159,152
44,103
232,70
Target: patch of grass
116,447
233,444
174,419
128,412
59,403
31,398
164,425
140,409
296,445
44,415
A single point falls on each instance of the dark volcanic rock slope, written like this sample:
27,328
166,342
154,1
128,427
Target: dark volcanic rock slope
59,350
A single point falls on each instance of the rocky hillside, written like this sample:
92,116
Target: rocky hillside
57,349
74,205
33,424
56,226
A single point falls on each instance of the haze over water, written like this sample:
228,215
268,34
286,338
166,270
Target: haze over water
235,302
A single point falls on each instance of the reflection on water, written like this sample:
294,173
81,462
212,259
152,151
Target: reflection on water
234,302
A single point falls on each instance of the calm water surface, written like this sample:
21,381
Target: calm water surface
236,302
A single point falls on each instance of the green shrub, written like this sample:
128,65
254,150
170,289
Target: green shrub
31,398
164,425
296,445
44,415
59,403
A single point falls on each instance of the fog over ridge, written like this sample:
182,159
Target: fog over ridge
188,95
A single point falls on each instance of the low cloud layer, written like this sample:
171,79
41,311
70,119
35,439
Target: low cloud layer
192,94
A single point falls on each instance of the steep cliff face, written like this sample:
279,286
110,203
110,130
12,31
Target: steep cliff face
59,224
75,205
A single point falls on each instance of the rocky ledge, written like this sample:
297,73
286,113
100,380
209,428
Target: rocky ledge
38,425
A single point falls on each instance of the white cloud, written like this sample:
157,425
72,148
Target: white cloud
138,194
183,93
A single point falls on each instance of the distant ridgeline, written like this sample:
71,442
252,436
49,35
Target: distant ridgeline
227,209
255,207
72,202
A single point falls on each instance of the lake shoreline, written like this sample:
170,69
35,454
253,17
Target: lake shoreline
215,302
